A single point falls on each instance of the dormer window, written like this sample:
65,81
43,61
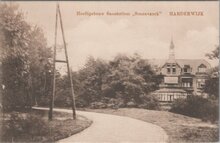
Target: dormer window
174,69
202,68
186,69
168,69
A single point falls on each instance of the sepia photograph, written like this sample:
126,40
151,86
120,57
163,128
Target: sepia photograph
109,71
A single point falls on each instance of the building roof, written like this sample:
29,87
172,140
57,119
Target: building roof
193,63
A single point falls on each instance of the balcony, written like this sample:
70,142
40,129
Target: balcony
170,85
186,73
187,88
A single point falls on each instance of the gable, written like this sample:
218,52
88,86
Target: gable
202,66
171,64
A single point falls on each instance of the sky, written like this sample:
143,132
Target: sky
150,36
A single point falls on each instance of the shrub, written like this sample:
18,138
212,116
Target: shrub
115,103
35,125
179,106
15,125
80,103
151,105
21,124
98,105
149,102
131,104
196,106
211,111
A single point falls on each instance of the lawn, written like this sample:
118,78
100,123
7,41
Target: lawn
23,127
179,128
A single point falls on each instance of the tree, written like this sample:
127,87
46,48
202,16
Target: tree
123,81
15,38
214,54
23,56
87,83
212,84
39,56
91,78
130,79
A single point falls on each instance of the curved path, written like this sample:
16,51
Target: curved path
113,129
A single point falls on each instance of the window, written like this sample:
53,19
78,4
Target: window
186,69
168,69
187,82
174,70
202,68
200,83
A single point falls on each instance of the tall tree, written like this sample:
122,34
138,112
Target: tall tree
15,38
130,79
212,84
214,54
40,64
91,77
23,53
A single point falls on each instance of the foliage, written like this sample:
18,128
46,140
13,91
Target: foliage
212,86
128,79
200,134
24,59
98,105
196,106
14,39
150,102
39,56
87,84
91,78
34,127
122,82
214,54
20,124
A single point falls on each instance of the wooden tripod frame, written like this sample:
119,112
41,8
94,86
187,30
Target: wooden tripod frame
58,13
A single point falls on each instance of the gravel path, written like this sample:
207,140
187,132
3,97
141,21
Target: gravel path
114,129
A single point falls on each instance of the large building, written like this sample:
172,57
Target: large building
181,77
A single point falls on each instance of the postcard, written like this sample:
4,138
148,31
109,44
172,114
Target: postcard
109,71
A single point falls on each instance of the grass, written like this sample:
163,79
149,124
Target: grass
178,127
42,130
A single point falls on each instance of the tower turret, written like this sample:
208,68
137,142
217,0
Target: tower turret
171,51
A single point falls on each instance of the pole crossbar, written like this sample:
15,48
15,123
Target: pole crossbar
58,15
60,61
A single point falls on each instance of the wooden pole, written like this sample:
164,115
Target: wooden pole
54,70
68,67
